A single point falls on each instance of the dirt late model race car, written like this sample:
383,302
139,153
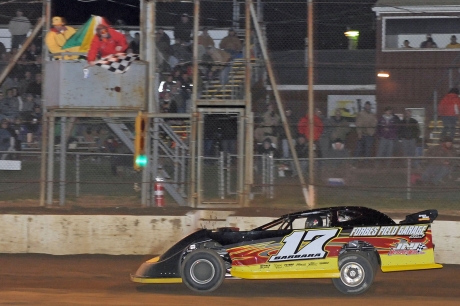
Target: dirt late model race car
346,244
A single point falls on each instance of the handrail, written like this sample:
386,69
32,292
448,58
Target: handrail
172,134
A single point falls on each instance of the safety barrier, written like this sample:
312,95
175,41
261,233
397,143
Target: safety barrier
134,235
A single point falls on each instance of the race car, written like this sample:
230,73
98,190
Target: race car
348,244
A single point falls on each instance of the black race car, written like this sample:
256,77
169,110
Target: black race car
347,244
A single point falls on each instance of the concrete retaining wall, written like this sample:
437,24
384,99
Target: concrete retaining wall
131,235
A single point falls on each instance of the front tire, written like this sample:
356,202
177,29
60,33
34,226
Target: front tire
356,274
203,270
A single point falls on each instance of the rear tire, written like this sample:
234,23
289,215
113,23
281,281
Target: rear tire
356,274
203,270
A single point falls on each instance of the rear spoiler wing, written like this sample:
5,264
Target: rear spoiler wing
426,216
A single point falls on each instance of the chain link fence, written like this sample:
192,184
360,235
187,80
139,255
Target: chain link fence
372,75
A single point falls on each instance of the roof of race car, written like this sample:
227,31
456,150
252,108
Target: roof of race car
333,208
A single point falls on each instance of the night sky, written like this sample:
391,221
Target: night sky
285,19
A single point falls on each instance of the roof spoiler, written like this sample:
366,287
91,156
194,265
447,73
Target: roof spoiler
426,216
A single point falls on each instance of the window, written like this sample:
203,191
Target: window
420,33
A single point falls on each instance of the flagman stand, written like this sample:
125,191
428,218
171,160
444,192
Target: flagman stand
74,90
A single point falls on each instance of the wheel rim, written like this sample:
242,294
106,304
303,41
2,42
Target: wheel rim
202,271
352,274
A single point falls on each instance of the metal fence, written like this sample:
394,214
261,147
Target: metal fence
93,166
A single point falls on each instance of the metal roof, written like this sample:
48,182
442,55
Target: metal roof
383,3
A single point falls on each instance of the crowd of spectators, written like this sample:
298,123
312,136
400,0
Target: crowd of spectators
20,98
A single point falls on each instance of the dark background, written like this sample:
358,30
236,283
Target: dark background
285,19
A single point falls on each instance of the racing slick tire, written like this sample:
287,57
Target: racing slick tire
356,274
203,270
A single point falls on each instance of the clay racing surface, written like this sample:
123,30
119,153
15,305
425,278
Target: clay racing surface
32,279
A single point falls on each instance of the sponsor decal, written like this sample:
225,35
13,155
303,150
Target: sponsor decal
278,266
413,231
301,264
305,245
405,248
312,263
324,263
423,217
288,265
264,266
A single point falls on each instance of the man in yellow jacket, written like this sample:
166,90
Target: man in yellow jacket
57,37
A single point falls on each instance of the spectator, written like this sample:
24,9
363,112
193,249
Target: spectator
19,26
366,123
24,82
303,128
2,48
387,131
28,104
338,127
128,36
229,133
33,122
32,52
183,29
408,133
406,44
428,43
36,67
204,41
180,52
231,43
269,126
167,104
106,41
438,169
9,105
5,137
221,64
284,141
164,47
168,83
135,43
20,133
453,43
163,38
111,145
267,148
10,82
301,148
58,36
35,87
448,110
178,98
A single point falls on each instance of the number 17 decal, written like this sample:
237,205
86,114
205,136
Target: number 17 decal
302,245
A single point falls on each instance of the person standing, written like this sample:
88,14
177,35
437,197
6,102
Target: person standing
19,26
183,29
387,132
408,133
58,36
106,41
303,128
448,110
231,43
439,168
366,123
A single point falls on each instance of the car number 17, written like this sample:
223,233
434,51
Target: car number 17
304,245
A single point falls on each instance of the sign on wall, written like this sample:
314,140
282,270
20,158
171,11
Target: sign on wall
350,105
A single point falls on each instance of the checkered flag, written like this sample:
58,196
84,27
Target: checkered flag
420,248
118,63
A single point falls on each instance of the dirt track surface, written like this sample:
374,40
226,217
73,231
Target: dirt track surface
104,280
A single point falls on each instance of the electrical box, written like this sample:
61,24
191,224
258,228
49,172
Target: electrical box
74,85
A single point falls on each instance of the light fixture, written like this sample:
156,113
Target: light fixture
383,74
351,34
